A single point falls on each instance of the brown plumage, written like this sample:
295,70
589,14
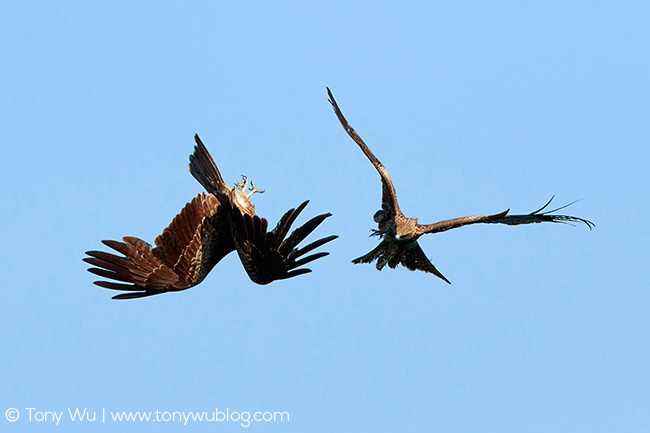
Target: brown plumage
208,228
399,233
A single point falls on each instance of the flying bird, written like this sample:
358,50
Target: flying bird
399,234
208,228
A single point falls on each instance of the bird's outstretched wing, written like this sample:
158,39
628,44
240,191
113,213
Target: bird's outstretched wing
268,256
538,216
389,196
195,241
409,255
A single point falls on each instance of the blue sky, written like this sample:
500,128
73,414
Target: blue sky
472,107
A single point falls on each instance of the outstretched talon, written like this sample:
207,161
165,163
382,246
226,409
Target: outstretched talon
242,186
253,190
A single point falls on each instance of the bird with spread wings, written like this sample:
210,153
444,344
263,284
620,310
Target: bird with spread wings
399,234
208,228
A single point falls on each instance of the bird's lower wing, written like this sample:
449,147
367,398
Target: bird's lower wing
268,256
538,216
186,251
376,254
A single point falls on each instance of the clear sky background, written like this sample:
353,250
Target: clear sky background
472,107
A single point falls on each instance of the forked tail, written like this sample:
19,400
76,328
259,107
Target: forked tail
204,169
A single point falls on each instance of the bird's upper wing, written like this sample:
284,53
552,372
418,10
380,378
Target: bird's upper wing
503,218
195,241
389,196
268,256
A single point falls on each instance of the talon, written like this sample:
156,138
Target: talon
242,186
253,190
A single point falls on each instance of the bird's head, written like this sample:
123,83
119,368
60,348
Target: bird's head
380,216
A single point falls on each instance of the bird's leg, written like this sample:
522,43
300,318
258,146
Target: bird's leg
242,186
253,190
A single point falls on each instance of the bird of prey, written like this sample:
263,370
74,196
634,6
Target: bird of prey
207,229
399,234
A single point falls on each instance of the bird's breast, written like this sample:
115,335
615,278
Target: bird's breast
241,201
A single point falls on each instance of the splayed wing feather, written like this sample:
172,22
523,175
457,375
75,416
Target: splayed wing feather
308,259
295,273
177,262
136,295
312,246
268,256
301,233
284,225
503,218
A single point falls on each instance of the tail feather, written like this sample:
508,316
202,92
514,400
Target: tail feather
410,256
204,169
414,259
